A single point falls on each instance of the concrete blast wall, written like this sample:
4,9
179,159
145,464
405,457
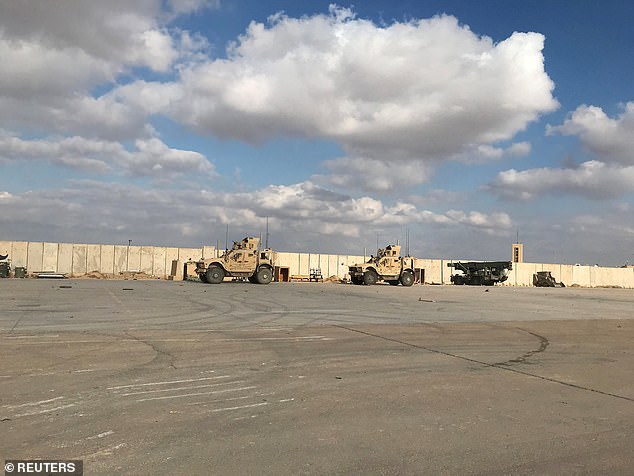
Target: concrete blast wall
112,260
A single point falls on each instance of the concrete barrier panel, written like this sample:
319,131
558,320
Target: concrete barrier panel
50,257
304,264
19,253
313,261
288,260
209,252
432,270
93,258
322,264
333,267
107,259
147,257
80,253
177,269
190,254
134,259
158,260
35,256
581,276
565,274
171,254
65,258
120,259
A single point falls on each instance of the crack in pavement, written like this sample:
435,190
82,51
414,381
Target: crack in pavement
486,364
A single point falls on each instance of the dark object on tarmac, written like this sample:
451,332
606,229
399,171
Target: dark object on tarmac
543,279
19,272
4,270
481,273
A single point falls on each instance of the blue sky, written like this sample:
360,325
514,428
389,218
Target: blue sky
463,122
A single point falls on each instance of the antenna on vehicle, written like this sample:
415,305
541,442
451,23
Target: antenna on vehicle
267,233
227,238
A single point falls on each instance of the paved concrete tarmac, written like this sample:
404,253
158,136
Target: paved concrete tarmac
155,377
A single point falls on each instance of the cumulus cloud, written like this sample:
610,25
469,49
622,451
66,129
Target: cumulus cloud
57,61
609,139
611,175
373,175
365,85
592,179
303,208
151,157
412,91
117,33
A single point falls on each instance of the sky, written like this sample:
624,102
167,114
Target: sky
461,124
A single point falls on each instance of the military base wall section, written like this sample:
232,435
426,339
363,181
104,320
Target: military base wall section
76,260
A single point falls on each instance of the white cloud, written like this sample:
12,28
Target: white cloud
56,61
117,33
416,91
611,140
304,210
374,175
150,158
592,179
610,176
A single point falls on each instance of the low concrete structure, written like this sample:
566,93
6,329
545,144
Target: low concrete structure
154,261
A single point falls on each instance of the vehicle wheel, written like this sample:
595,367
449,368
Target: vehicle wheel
356,280
393,282
407,279
215,274
370,278
203,278
252,279
264,276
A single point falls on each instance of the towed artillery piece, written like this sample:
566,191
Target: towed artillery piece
244,260
481,273
388,265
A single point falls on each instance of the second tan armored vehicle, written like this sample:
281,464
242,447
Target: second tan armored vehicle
387,265
245,259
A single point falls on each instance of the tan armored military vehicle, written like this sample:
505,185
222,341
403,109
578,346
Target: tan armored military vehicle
387,265
245,259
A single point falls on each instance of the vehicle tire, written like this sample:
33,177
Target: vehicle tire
264,276
356,280
370,278
407,278
252,279
215,275
203,278
393,282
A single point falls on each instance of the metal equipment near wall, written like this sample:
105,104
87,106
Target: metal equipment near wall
480,273
244,260
544,279
4,269
388,265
